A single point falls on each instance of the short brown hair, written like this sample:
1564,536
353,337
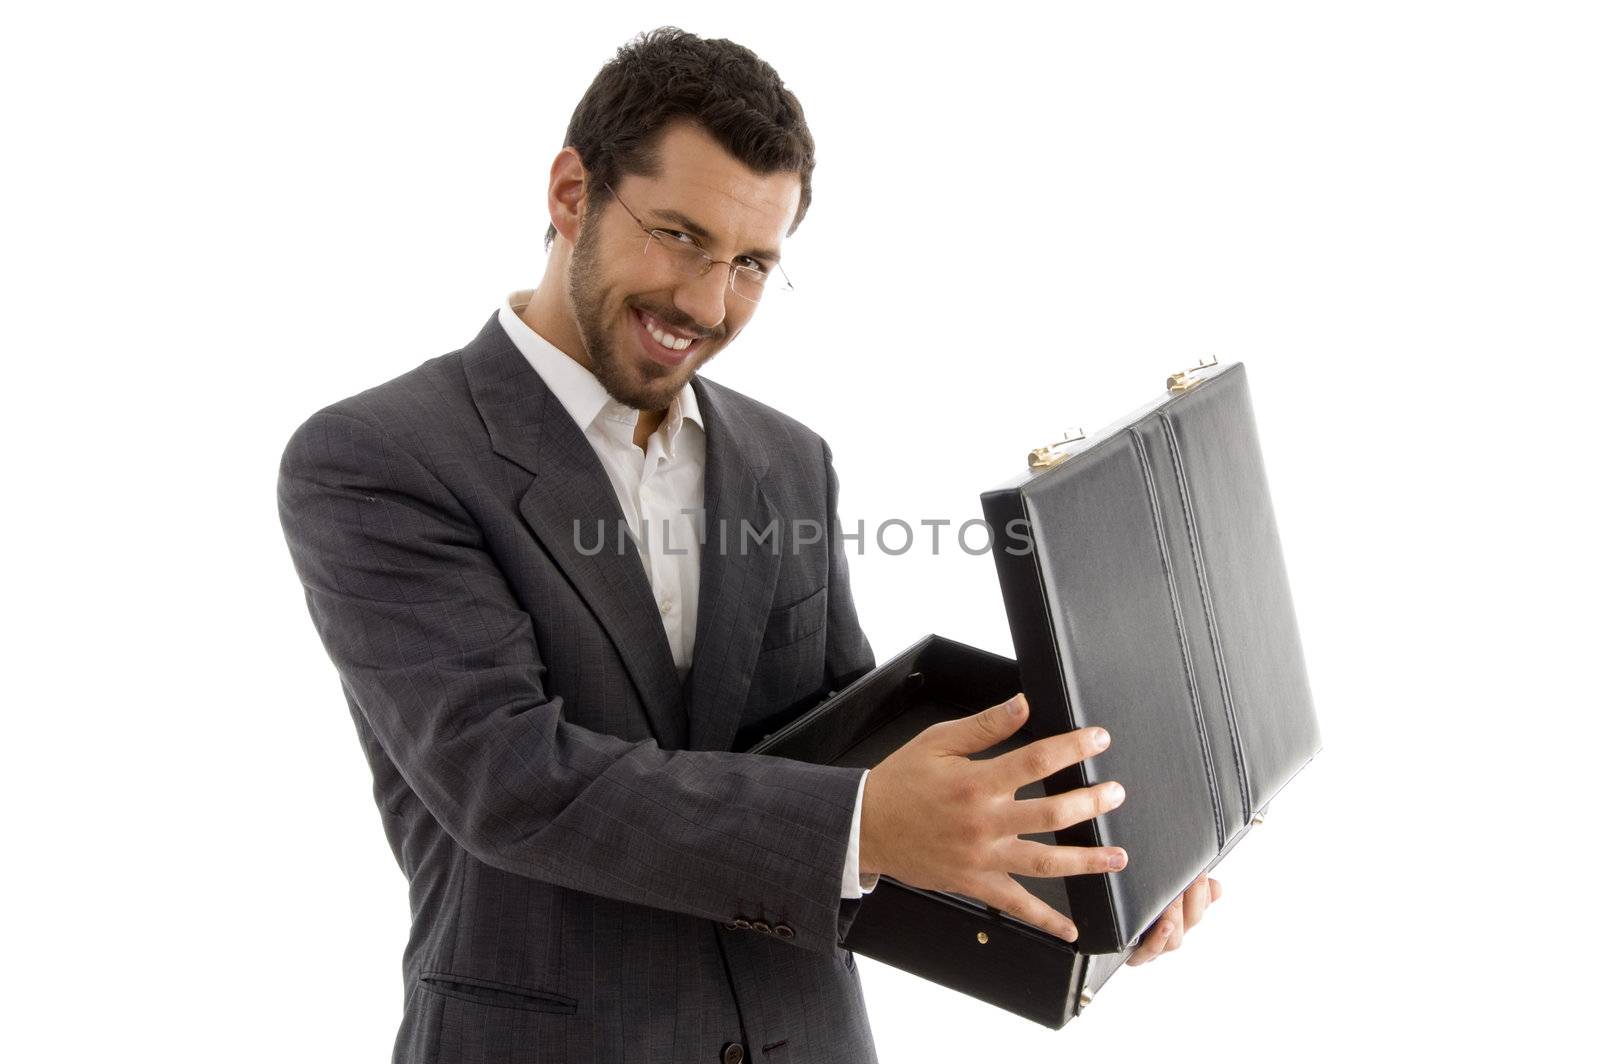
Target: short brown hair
667,74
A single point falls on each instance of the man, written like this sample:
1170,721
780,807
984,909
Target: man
551,710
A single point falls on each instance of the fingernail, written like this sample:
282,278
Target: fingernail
1119,861
1017,704
1100,738
1072,932
1114,795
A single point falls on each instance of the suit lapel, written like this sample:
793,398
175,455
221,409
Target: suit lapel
528,425
737,576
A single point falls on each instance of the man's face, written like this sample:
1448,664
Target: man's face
620,293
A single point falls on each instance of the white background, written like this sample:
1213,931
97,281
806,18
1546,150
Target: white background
218,218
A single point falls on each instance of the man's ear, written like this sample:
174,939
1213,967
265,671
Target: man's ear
569,192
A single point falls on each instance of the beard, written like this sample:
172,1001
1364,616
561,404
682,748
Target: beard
639,382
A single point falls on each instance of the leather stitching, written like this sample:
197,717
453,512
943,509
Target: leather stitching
1212,627
1183,638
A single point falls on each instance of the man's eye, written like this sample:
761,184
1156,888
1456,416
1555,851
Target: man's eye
754,264
677,237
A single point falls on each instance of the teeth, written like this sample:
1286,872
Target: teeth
667,340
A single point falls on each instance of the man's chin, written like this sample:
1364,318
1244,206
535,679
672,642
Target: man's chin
652,392
662,392
660,383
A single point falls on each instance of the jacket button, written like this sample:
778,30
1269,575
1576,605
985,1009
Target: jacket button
731,926
733,1053
743,925
762,926
783,931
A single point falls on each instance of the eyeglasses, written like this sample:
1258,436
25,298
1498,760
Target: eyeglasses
689,261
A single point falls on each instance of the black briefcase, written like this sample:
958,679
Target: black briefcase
1146,593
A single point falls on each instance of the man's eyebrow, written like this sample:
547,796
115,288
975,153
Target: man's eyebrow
700,233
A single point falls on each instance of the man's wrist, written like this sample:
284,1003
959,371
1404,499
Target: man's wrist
854,883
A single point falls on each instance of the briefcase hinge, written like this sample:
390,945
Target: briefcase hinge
1053,453
1185,379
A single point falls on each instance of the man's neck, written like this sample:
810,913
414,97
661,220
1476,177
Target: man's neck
649,421
548,315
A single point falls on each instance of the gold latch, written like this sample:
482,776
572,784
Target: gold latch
1051,453
1181,381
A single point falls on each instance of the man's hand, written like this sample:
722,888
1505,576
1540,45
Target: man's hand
932,817
1167,932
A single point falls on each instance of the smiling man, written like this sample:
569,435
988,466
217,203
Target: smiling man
644,329
596,873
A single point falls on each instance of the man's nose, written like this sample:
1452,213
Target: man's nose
705,299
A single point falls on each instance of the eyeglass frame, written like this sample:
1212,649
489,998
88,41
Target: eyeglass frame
706,259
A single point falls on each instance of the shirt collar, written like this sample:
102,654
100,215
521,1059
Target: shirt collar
579,390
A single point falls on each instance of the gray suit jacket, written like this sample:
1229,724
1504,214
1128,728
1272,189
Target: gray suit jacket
595,875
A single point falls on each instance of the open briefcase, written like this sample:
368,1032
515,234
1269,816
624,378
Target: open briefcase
1146,593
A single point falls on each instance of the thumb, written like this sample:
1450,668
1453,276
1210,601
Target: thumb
971,735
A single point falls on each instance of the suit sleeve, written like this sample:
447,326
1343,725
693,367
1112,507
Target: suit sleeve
442,662
849,654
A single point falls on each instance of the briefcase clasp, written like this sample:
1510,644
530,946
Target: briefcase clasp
1053,453
1185,379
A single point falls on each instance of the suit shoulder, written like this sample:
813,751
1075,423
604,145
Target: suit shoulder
413,408
773,424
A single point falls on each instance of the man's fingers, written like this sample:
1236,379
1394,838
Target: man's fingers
975,734
1033,815
1153,942
1047,756
1174,916
1011,898
1036,859
1167,933
1195,900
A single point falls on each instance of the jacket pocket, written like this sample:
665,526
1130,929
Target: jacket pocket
499,995
792,623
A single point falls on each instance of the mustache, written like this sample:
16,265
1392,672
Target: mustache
680,322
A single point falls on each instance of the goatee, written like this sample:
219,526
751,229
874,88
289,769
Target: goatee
586,286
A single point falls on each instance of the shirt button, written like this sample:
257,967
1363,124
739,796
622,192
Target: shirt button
733,1053
666,605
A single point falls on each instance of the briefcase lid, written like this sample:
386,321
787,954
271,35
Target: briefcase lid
1146,592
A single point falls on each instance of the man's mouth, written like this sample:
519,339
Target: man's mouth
662,342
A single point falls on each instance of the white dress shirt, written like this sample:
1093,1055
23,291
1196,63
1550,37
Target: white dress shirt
655,486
